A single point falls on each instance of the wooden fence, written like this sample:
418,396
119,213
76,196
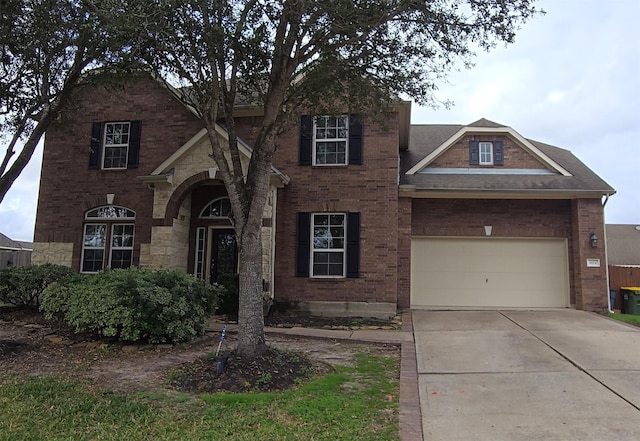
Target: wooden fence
11,258
620,276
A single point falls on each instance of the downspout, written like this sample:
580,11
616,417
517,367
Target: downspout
606,255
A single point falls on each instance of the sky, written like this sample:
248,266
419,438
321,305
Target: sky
571,79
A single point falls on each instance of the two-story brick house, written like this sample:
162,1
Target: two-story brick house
360,219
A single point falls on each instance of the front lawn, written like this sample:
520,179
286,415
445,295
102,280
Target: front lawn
627,318
357,403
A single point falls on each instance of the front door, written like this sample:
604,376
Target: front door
224,253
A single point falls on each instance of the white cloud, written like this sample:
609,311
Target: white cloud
570,80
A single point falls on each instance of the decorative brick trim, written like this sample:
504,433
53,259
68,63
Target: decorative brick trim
180,193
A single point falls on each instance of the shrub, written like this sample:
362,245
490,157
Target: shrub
134,304
23,286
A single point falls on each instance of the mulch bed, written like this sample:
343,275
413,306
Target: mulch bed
273,370
31,344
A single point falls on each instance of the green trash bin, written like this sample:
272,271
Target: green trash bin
630,300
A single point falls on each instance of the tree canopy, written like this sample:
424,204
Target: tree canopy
325,56
47,47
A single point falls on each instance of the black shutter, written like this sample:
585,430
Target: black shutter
353,245
474,153
498,153
306,140
96,145
134,144
355,140
303,244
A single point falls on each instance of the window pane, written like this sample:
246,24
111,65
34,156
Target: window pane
122,236
95,236
337,219
115,157
322,238
328,264
121,259
111,212
92,261
218,208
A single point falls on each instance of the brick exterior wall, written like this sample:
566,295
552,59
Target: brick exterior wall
404,252
68,187
457,156
370,189
590,283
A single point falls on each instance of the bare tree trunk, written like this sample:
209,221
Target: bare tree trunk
251,340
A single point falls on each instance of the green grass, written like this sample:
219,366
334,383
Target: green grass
355,403
627,318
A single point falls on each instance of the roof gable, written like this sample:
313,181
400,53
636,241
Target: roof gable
484,126
198,147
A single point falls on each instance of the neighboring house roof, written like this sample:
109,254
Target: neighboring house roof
623,244
568,175
7,244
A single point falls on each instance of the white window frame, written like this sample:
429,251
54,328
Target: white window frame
106,146
317,140
200,258
221,200
112,246
342,250
108,216
482,154
85,247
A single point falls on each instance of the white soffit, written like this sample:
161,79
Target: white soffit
507,130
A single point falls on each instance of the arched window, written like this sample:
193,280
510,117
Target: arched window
110,212
108,232
218,208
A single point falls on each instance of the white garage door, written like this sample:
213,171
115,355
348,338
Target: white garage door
489,273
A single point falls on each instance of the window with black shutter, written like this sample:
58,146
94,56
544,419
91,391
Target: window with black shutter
330,140
115,145
328,245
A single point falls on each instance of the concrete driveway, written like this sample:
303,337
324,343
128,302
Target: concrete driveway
527,375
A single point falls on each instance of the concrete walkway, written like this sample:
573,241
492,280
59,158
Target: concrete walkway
527,375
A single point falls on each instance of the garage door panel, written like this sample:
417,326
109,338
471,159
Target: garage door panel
489,272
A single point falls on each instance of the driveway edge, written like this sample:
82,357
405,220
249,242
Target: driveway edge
410,418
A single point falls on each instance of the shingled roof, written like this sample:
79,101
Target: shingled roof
425,139
623,244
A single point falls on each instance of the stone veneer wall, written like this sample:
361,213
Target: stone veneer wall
59,253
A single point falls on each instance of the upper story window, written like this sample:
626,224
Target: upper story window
330,140
486,153
219,208
115,145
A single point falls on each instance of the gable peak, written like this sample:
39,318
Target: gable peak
483,122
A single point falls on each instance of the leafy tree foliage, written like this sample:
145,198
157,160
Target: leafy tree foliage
46,47
326,56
